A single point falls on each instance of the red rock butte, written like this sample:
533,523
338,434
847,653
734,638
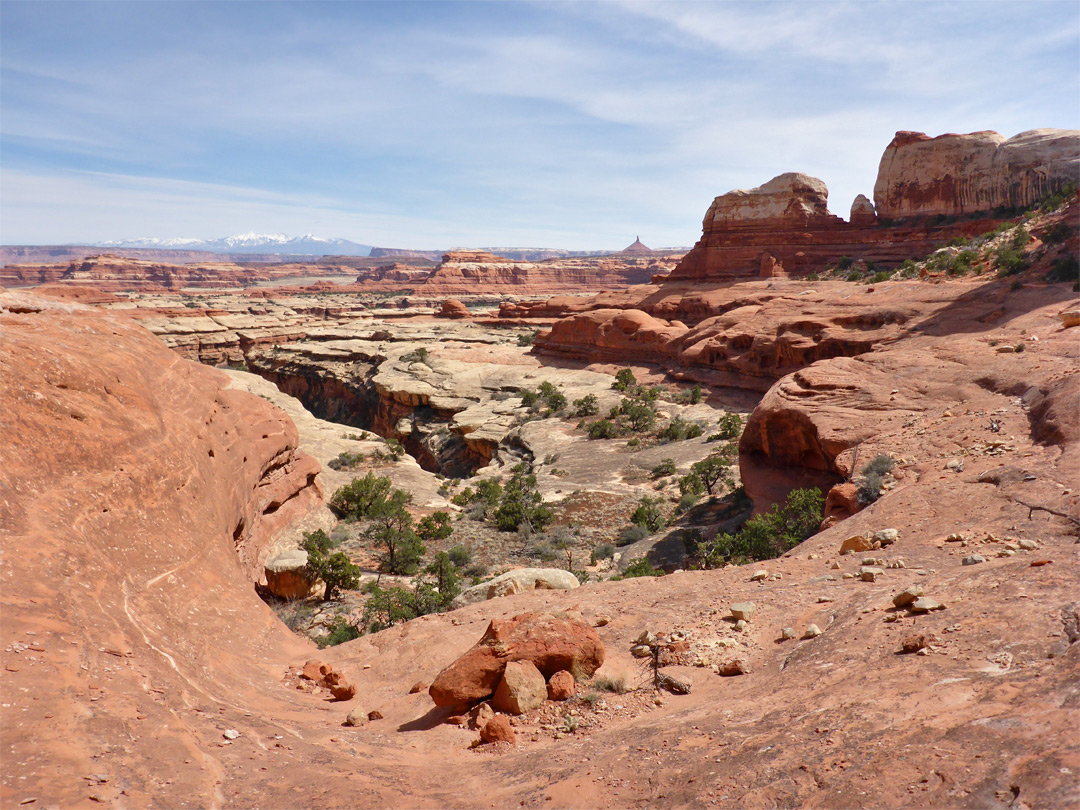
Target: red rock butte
922,182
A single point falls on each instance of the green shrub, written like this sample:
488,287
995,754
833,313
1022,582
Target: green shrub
604,551
665,467
678,429
1009,261
909,269
358,498
346,461
844,262
1058,232
1064,270
686,501
529,399
880,464
870,487
521,503
641,416
641,568
434,527
335,570
730,426
460,555
648,514
624,380
527,338
340,632
880,276
631,534
782,528
603,429
418,356
714,469
588,405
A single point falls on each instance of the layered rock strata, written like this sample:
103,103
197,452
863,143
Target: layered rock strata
952,175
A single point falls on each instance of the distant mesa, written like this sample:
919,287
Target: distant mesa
637,249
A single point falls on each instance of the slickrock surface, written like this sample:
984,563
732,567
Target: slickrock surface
961,174
168,678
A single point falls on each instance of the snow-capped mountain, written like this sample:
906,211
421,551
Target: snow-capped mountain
306,245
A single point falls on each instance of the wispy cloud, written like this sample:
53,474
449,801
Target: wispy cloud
479,123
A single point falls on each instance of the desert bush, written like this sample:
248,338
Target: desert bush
521,503
641,568
665,467
686,501
648,514
603,429
678,429
880,276
346,461
624,380
527,338
870,487
460,555
844,262
730,425
611,683
340,632
336,570
713,470
434,527
359,497
768,535
588,405
1064,270
880,464
418,356
604,551
631,534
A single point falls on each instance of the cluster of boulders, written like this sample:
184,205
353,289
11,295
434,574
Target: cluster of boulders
518,664
325,676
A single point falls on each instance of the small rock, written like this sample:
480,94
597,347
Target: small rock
740,625
759,575
848,575
743,611
813,631
1040,563
897,564
788,633
230,734
374,714
1005,350
1070,317
312,670
956,465
908,595
924,604
498,729
886,536
640,651
419,686
676,684
480,715
955,537
1026,544
561,686
973,559
912,644
835,566
356,717
646,638
856,543
601,620
823,599
521,689
870,573
1005,552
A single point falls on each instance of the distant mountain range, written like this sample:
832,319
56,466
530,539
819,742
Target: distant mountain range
306,245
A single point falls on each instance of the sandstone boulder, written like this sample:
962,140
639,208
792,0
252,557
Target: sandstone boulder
452,308
561,686
498,729
862,211
286,577
521,579
552,642
521,689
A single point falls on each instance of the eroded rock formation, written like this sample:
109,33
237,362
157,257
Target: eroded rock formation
951,174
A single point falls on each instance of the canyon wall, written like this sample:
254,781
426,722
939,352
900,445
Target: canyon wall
952,175
784,227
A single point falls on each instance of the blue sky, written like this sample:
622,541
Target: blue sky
439,124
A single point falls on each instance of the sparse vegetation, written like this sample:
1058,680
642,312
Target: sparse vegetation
665,467
588,405
730,426
358,498
521,503
648,514
527,338
641,568
768,535
335,570
871,477
346,461
678,429
624,380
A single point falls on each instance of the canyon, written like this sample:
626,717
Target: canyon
144,493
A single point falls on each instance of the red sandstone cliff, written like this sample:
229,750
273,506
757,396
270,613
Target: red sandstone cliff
962,174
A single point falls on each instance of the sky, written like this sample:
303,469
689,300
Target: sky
432,125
